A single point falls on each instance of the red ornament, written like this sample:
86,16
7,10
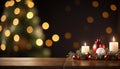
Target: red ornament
118,57
96,45
76,57
90,57
106,57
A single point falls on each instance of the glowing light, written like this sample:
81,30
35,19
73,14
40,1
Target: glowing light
108,30
7,4
3,18
29,29
16,21
113,7
105,14
16,38
17,11
68,35
39,42
45,25
76,44
30,15
67,8
3,47
7,33
90,19
55,37
16,48
18,0
0,28
95,3
11,3
48,43
77,2
113,38
30,4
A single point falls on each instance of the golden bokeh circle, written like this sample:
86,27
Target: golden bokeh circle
105,14
90,19
3,47
108,30
95,3
45,25
55,37
39,42
48,43
113,7
68,35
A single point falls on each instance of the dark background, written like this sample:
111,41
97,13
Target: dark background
70,16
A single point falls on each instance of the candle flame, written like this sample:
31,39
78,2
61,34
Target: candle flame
113,38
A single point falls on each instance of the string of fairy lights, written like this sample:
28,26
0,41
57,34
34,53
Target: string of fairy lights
46,25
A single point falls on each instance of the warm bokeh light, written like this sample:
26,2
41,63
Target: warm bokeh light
7,4
16,37
0,28
29,29
68,35
30,15
11,3
113,39
16,48
75,44
67,8
17,11
48,43
108,30
7,33
105,14
113,7
55,37
90,19
95,3
18,0
39,42
3,18
77,2
3,47
16,21
45,25
30,4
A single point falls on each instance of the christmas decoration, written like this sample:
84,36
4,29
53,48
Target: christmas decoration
106,57
96,45
76,57
21,34
101,53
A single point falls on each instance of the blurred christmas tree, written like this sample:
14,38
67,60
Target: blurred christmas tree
21,34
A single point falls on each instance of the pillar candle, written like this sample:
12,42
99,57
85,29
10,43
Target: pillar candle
113,46
84,49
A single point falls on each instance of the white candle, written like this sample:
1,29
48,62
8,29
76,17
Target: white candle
84,49
113,46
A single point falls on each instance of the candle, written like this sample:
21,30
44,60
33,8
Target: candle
84,49
113,46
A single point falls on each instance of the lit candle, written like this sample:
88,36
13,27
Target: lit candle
84,49
113,46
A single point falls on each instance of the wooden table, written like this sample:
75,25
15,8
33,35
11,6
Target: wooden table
59,63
